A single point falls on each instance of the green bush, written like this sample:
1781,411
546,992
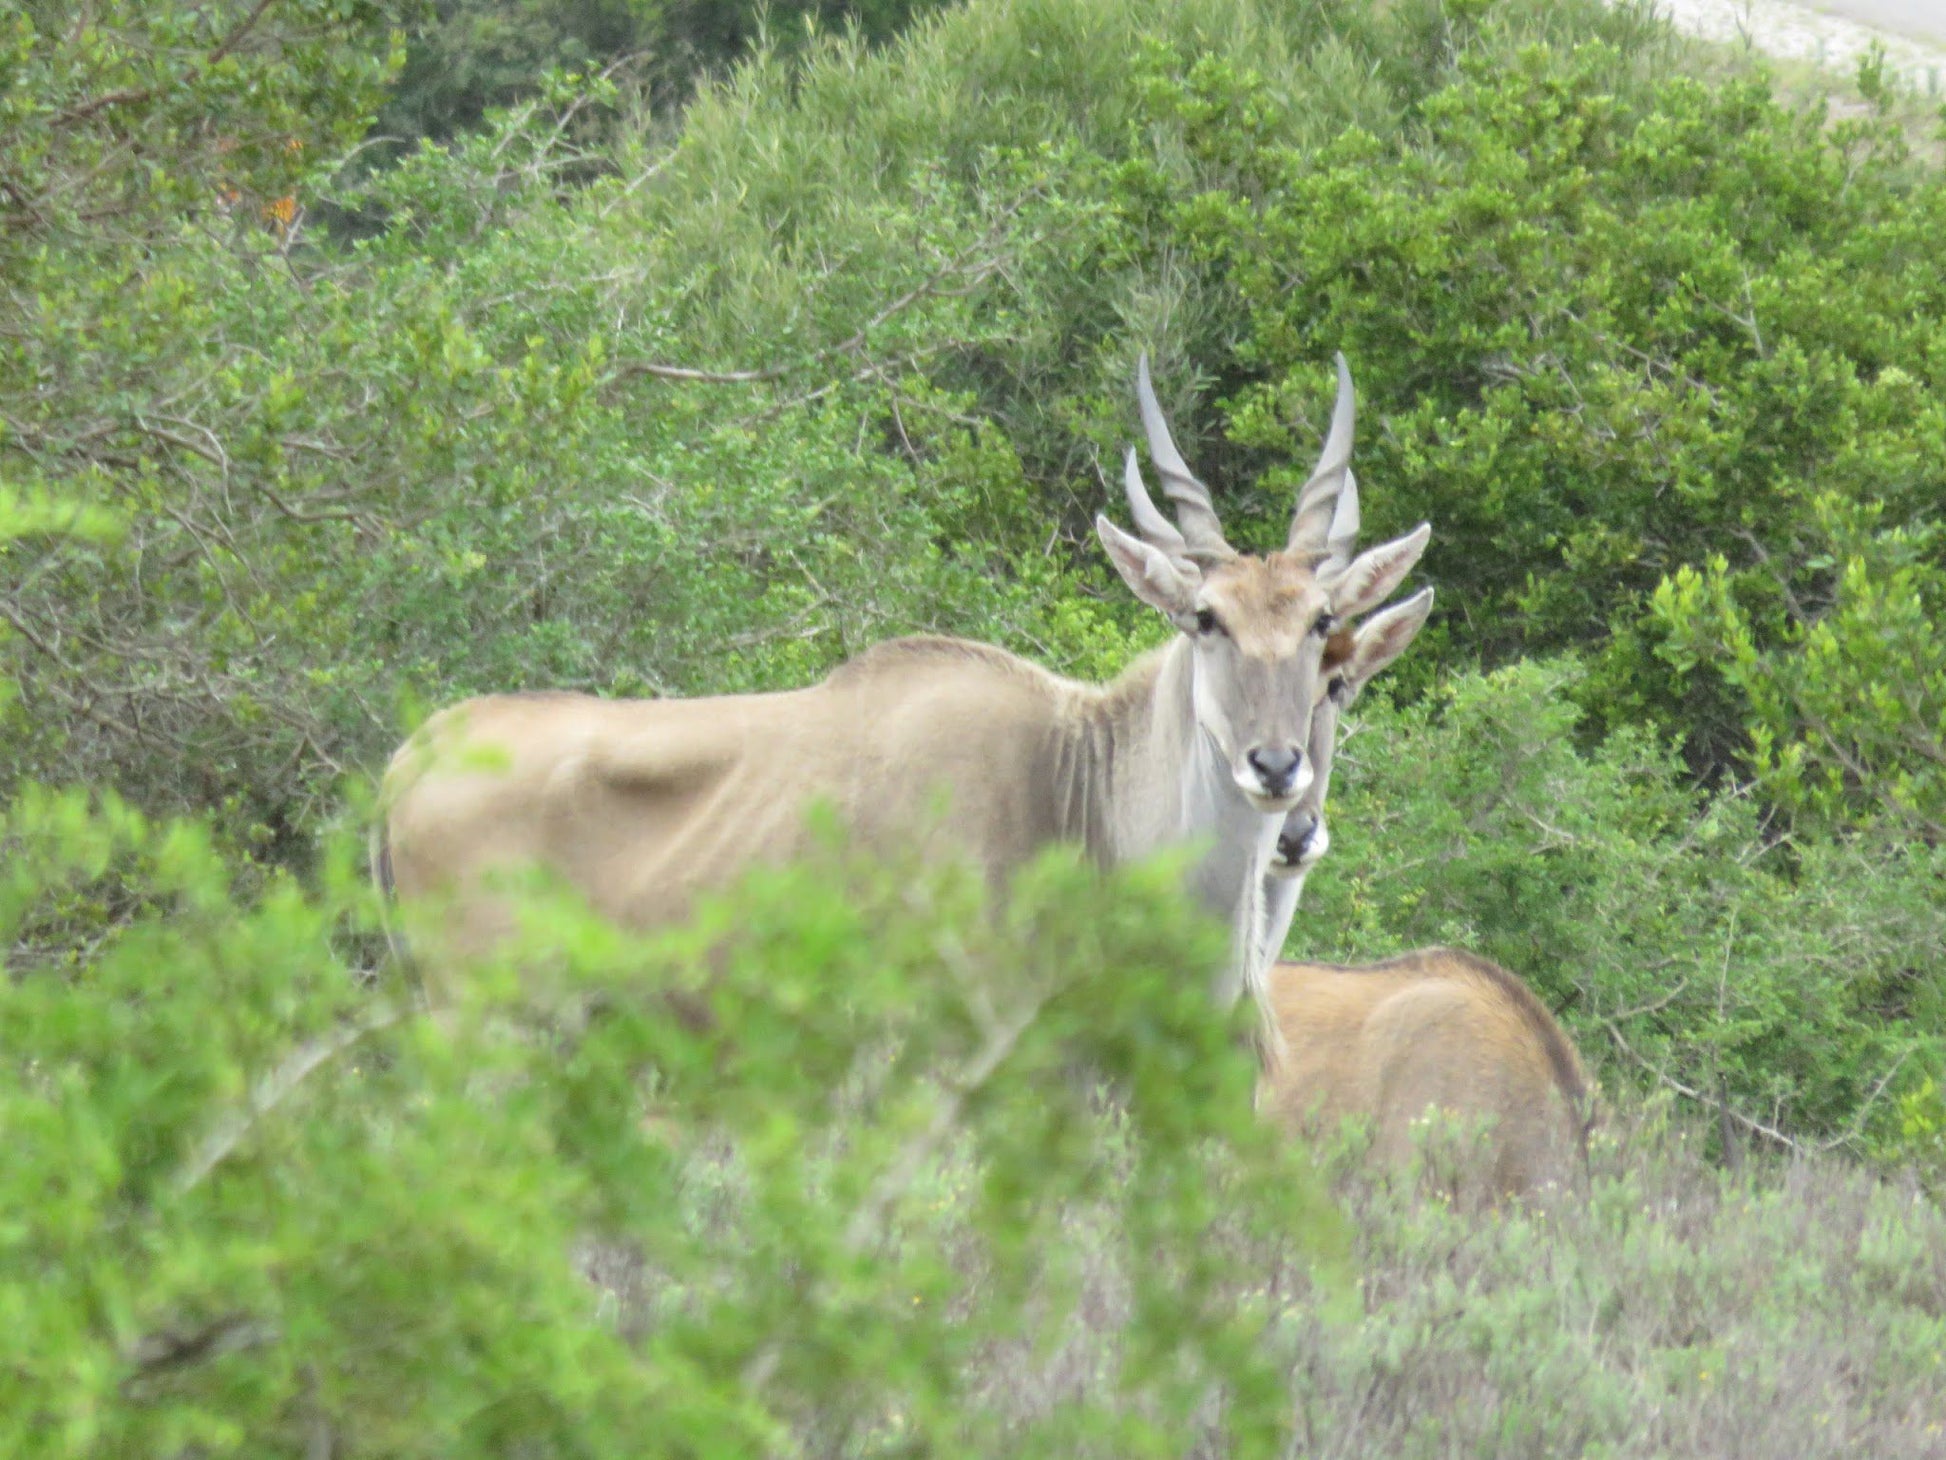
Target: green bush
908,1177
119,121
1847,696
1610,324
1687,944
740,405
367,483
258,1209
467,57
1614,322
852,1166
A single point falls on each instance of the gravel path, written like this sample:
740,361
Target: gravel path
1798,32
1919,20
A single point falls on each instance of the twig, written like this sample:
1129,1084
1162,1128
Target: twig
972,275
234,38
1654,1005
715,377
271,1091
158,1353
1857,1126
1732,1152
213,454
1757,1127
107,99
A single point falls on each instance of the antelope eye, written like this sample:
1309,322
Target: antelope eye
1206,622
1325,627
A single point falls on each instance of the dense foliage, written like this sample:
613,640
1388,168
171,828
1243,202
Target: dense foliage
1783,983
465,57
1708,462
267,1211
584,399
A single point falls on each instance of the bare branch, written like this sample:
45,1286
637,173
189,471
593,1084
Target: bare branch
159,1353
1857,1126
269,1092
1654,1005
235,38
1756,1127
125,97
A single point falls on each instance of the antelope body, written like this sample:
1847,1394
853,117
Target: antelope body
640,805
1435,1029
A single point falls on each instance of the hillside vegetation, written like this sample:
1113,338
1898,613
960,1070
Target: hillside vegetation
294,446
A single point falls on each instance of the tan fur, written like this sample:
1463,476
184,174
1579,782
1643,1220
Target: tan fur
1385,1042
641,804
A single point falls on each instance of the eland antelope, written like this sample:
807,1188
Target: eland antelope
640,805
1354,654
1386,1042
1437,1028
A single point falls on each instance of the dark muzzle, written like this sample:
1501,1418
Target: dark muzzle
1294,842
1276,768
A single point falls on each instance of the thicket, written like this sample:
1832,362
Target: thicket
465,57
1656,356
1788,986
254,1206
599,405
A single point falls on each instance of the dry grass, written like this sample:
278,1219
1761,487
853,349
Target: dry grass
1796,1308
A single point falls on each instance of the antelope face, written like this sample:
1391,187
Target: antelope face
1258,624
1301,845
1259,629
1352,656
1304,837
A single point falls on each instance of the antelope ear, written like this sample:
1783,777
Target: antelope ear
1371,576
1384,637
1157,580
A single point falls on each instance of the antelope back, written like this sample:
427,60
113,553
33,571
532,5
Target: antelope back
1436,1029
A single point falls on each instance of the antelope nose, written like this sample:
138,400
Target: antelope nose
1295,839
1276,767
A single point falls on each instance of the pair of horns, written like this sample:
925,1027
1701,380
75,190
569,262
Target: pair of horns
1326,515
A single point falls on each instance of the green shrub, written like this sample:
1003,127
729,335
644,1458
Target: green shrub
1613,323
1847,695
259,1210
635,418
1609,323
872,1200
1687,944
118,121
467,57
